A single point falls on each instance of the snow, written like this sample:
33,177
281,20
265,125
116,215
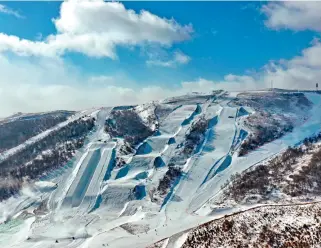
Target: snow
12,233
192,98
239,164
165,243
146,111
289,224
45,185
177,243
94,202
214,149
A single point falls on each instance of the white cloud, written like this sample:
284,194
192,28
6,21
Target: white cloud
311,56
37,79
296,15
301,72
8,11
178,58
95,28
181,58
304,71
32,85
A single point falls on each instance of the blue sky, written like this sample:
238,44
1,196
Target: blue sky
229,37
209,43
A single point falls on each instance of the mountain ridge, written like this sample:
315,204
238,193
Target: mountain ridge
144,172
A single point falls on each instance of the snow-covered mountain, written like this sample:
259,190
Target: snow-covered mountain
145,175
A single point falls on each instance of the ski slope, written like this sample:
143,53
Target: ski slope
85,166
97,205
156,145
311,127
149,157
86,186
200,166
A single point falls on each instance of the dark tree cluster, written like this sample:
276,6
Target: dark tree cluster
128,125
274,117
311,140
262,136
272,101
48,161
17,131
262,179
169,178
76,129
254,181
193,139
44,155
124,150
262,227
163,110
308,180
195,136
9,186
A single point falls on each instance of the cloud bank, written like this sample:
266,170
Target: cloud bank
43,85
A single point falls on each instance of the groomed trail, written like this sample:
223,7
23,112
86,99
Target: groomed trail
157,145
91,166
190,205
78,192
150,158
219,138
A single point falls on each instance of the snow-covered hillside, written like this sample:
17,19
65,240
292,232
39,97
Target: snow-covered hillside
135,175
295,225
